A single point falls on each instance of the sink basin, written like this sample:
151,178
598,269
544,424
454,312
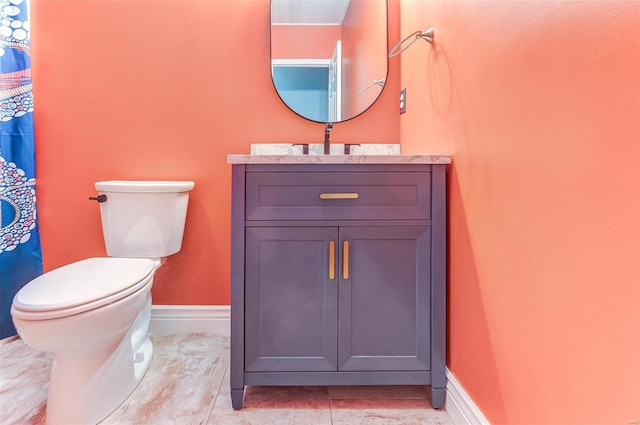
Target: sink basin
318,149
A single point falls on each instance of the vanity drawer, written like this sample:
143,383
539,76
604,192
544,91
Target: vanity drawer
338,195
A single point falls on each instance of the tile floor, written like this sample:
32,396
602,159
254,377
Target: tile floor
188,383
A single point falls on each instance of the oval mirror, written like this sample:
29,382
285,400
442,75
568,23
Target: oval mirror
329,57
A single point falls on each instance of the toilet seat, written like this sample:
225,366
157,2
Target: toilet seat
81,286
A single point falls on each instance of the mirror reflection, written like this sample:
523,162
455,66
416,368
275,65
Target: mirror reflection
329,57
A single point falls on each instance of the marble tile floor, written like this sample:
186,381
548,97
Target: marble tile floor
188,383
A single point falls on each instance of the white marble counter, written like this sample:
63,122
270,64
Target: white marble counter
366,153
338,159
318,149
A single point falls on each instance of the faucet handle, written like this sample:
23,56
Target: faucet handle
347,147
305,147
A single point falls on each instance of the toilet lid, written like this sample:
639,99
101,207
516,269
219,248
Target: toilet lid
83,283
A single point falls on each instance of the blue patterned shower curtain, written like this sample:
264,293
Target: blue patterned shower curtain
20,252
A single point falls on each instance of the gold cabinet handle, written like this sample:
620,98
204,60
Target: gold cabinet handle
332,260
339,196
345,260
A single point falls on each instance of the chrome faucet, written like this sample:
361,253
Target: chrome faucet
327,142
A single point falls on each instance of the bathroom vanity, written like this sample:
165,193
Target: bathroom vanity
338,271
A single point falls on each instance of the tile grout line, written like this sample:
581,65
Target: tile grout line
215,399
330,408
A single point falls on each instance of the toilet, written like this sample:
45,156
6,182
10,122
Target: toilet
93,315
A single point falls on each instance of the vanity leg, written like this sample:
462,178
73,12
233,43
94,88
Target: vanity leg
437,397
236,398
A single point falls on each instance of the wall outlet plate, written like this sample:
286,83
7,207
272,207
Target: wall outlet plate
403,100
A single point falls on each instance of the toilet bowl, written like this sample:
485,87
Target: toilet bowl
94,314
83,313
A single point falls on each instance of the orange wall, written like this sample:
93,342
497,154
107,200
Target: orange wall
161,90
539,105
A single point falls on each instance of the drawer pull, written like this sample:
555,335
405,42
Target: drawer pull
345,260
332,260
339,196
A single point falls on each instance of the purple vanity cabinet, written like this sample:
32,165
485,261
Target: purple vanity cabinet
338,276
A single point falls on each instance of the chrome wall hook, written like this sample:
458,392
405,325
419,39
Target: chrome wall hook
425,35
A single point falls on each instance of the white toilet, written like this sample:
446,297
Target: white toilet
93,315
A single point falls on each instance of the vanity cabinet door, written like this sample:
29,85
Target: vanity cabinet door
291,299
384,298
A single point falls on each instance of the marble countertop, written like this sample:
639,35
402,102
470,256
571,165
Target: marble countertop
366,153
338,159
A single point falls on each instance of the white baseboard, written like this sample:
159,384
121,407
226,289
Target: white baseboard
460,406
216,319
211,319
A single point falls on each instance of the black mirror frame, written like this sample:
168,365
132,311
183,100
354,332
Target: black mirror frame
310,119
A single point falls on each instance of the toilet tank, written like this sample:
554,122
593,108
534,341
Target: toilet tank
143,218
